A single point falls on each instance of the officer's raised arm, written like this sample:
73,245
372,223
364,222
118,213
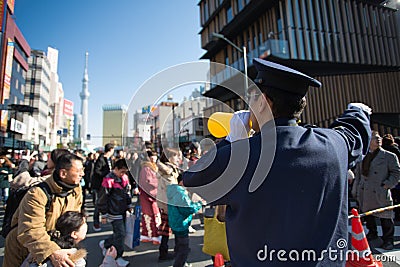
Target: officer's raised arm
354,126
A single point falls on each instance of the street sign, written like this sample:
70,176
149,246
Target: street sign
21,108
17,126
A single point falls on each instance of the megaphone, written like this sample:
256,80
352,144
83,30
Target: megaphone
219,124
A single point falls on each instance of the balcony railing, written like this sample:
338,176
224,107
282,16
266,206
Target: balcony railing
277,48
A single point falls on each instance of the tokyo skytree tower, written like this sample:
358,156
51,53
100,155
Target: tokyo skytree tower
84,100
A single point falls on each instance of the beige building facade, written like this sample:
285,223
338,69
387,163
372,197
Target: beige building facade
115,124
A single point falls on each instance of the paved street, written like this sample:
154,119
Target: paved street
147,254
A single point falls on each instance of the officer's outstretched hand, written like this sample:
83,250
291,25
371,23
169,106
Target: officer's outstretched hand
361,106
239,126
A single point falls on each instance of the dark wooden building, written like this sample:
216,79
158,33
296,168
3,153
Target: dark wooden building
351,46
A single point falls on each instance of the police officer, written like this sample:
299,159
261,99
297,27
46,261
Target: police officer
286,186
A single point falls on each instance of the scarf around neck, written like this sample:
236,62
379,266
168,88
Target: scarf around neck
65,188
366,163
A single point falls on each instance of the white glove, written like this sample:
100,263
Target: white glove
239,126
361,106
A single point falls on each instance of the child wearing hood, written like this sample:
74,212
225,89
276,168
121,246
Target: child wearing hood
180,211
71,229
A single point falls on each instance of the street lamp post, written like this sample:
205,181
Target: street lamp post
13,143
241,50
173,104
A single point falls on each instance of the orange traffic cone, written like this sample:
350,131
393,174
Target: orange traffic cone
219,260
361,256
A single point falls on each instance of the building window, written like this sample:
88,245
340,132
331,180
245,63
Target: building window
293,43
297,9
233,54
279,23
375,23
324,48
325,17
20,50
260,32
229,14
311,16
226,56
308,46
331,46
290,21
239,5
240,41
335,17
205,11
248,40
300,45
254,32
221,21
317,15
217,25
337,40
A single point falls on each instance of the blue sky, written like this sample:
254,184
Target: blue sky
128,41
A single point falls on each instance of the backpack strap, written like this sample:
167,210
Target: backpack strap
46,189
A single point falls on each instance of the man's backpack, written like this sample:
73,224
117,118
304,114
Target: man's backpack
13,201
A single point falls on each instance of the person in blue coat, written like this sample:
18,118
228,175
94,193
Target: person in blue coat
180,213
286,186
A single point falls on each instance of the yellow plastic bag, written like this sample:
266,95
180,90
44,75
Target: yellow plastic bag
215,237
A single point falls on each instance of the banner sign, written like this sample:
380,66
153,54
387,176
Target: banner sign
68,108
7,82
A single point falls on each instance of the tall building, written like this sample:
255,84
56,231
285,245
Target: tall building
37,94
115,124
68,122
56,99
84,100
352,47
77,127
190,117
143,123
14,55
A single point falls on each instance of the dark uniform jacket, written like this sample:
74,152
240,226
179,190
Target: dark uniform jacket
297,201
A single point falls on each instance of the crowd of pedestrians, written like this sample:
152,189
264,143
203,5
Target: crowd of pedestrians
157,182
112,179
